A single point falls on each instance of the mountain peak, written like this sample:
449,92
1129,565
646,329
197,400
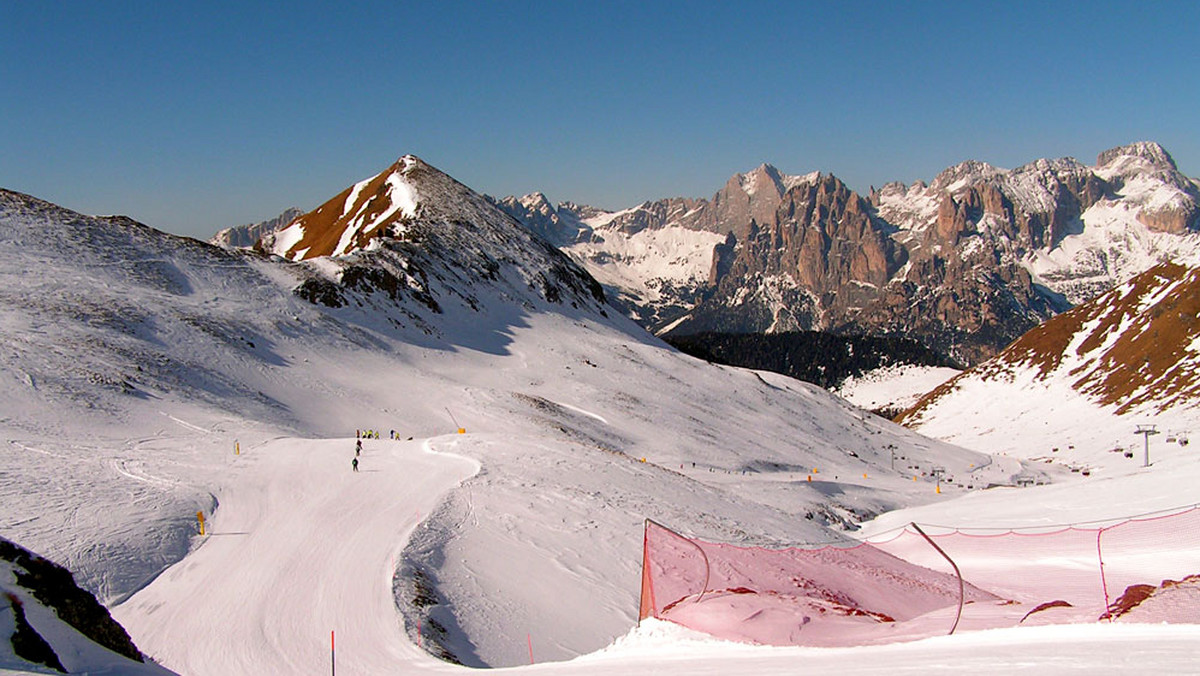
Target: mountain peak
372,207
1148,151
762,177
963,174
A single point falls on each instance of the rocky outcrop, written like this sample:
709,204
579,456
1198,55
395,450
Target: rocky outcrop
1165,200
54,587
535,212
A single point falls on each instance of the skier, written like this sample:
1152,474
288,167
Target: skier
357,447
354,464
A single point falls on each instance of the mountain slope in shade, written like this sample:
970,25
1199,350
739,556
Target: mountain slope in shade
1084,379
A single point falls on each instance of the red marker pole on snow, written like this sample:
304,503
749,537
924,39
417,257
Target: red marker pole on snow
332,662
529,637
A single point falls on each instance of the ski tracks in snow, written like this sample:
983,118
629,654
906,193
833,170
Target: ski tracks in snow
301,546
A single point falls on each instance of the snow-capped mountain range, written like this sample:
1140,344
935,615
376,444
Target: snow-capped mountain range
966,263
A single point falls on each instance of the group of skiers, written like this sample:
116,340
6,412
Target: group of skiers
359,435
374,434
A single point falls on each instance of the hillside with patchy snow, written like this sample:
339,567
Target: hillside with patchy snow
1085,379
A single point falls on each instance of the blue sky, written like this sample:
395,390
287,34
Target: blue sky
195,116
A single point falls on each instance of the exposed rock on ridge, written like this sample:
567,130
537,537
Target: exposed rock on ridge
53,586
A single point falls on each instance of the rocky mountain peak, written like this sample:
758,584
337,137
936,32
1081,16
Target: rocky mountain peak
537,200
763,177
558,225
963,174
382,205
412,232
1149,153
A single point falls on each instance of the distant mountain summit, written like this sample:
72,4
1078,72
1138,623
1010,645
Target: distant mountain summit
965,264
657,259
246,236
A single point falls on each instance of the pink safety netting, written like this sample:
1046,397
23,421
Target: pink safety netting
906,585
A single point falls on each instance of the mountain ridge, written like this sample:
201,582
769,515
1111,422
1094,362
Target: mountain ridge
965,263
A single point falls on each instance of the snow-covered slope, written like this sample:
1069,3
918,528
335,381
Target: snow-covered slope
894,389
1082,382
145,373
149,377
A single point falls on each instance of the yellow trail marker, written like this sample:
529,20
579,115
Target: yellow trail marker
237,448
864,475
200,518
462,430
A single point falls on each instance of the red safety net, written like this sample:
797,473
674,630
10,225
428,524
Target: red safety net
907,585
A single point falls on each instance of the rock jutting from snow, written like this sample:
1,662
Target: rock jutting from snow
53,586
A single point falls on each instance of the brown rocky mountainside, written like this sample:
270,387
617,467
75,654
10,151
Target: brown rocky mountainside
1133,350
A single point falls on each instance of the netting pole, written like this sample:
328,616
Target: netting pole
961,589
1103,579
646,557
646,603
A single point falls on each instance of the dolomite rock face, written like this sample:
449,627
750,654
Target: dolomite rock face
964,264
